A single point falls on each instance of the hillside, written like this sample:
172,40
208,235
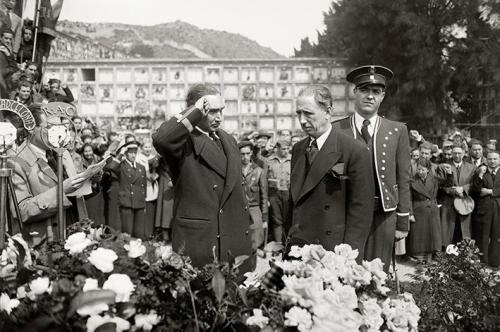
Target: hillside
169,40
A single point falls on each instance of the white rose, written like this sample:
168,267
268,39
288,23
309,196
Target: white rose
38,287
258,319
90,284
76,242
7,304
452,250
121,285
164,252
95,321
344,296
372,314
21,292
346,251
376,267
146,322
103,259
338,319
299,317
357,275
135,248
92,309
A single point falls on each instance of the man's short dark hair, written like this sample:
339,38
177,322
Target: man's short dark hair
199,90
322,95
475,141
426,145
5,30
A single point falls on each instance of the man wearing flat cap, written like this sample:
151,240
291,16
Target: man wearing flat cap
132,189
388,144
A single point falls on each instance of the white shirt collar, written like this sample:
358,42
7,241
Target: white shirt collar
131,164
358,121
207,133
457,165
320,141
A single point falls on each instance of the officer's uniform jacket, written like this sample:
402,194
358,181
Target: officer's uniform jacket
35,185
391,151
132,183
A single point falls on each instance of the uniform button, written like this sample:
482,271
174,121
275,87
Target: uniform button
396,129
383,161
214,187
387,198
382,176
131,193
246,233
383,153
383,168
327,207
218,237
328,232
220,211
390,133
386,190
384,145
246,208
386,138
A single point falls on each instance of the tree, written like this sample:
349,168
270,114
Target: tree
433,47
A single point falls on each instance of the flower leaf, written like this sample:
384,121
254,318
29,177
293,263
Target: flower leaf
89,297
218,285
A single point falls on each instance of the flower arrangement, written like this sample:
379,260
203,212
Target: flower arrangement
460,293
328,291
101,280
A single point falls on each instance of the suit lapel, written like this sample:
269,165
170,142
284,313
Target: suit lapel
233,165
322,163
46,169
209,153
298,168
421,187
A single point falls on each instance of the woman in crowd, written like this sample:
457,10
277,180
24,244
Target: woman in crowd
147,158
93,201
165,203
425,229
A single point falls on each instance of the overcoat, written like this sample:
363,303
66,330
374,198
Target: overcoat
330,200
486,218
210,213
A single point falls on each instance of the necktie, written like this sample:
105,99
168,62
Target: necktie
365,132
458,173
216,139
312,151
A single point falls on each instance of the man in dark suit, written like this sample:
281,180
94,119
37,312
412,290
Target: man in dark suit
389,147
475,156
331,186
210,216
486,221
132,190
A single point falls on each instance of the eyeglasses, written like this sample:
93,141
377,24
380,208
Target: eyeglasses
377,92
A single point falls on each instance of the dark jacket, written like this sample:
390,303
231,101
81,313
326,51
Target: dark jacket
331,200
132,183
210,214
256,188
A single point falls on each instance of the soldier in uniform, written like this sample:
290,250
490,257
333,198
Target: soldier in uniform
388,144
132,190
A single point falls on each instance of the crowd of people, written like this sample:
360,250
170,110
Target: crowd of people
363,180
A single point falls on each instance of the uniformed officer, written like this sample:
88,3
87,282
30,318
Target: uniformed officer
132,190
388,144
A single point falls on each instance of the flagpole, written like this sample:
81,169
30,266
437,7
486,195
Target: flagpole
37,23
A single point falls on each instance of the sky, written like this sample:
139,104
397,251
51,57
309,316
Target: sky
279,24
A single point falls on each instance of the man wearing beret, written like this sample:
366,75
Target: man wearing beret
256,192
132,190
389,147
331,187
210,215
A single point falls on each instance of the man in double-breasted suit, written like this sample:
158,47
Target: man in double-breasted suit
132,190
331,186
486,215
210,215
450,219
387,143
